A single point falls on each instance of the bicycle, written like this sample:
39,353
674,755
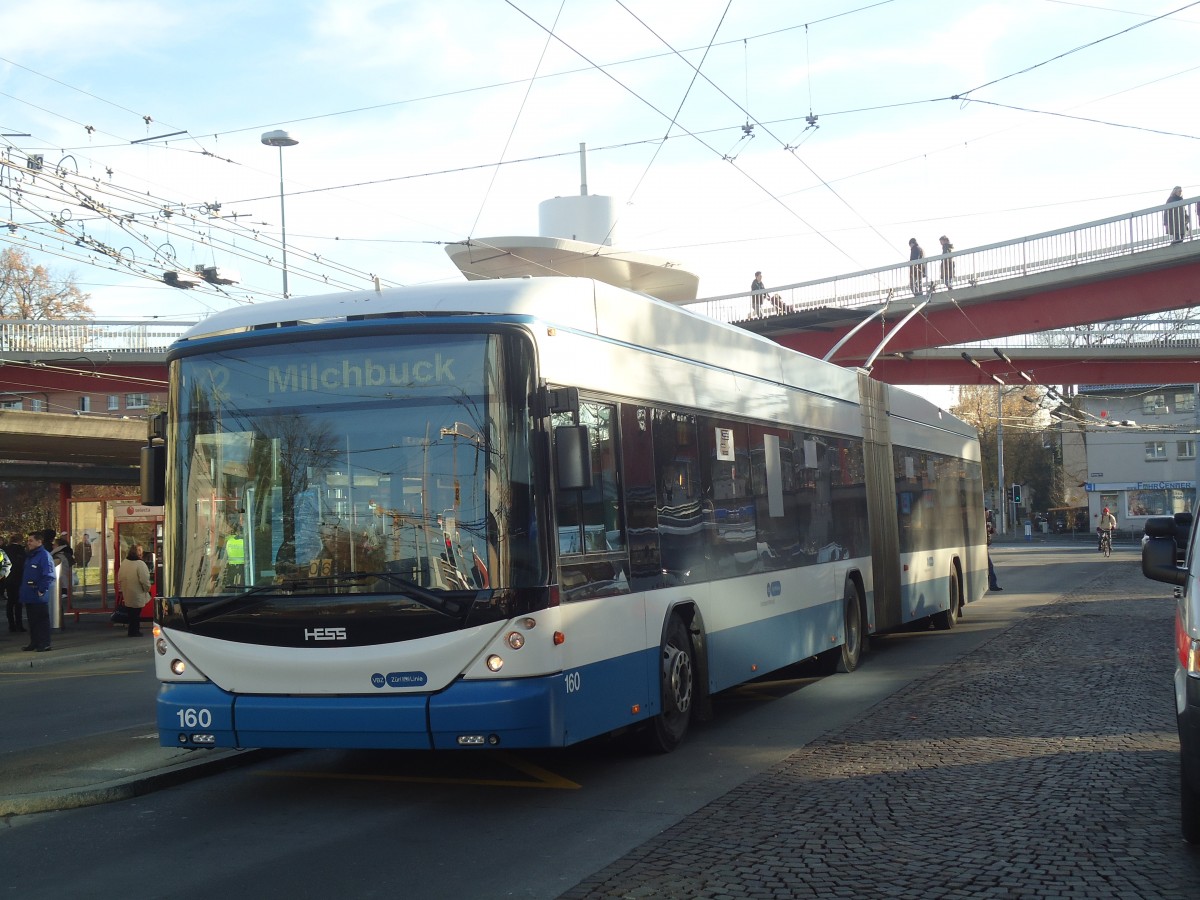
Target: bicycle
1106,543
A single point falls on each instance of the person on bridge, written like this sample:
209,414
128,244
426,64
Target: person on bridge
757,294
947,263
1108,522
916,272
1175,218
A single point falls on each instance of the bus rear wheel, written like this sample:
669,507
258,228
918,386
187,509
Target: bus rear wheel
667,730
847,657
851,651
946,620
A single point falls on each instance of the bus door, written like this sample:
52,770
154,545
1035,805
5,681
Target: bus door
143,525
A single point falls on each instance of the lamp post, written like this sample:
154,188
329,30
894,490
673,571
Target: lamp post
1000,486
281,139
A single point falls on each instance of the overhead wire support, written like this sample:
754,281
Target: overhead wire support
158,137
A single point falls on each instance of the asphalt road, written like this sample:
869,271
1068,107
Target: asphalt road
914,776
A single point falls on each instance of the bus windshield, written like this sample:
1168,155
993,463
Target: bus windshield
354,465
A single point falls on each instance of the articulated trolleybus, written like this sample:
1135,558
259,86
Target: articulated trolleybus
524,513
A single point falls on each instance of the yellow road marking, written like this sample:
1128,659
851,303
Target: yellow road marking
543,778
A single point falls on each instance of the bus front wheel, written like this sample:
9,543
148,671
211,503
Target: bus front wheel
667,730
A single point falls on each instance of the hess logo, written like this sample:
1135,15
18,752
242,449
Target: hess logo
324,634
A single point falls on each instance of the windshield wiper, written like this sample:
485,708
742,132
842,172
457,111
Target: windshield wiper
449,606
439,602
211,609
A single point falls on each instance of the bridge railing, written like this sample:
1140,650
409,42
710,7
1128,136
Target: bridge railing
88,336
1114,237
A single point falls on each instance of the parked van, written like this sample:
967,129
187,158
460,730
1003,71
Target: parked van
1170,554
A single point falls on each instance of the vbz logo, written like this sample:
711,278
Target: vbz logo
774,588
324,634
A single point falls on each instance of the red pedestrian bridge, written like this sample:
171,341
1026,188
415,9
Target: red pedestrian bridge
1049,300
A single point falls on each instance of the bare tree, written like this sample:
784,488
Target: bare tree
1029,448
29,291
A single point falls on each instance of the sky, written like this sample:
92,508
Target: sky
421,123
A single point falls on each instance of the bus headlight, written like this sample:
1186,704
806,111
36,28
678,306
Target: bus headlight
516,640
160,645
178,666
495,663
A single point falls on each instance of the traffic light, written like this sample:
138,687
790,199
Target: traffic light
1016,495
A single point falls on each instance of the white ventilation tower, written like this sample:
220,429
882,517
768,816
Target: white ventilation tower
589,218
577,241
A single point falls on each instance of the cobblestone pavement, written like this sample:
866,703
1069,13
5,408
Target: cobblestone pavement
1042,765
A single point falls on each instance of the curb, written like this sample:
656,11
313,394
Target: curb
25,661
130,786
72,647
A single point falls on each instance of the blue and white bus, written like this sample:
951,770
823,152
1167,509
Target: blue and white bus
524,513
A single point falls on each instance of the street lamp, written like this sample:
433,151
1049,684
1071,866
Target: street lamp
280,138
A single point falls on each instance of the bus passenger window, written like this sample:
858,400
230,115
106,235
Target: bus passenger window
590,521
680,517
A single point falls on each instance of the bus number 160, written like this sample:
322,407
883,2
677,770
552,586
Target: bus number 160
194,718
572,680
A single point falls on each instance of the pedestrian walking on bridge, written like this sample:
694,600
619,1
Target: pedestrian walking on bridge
916,272
947,263
1175,218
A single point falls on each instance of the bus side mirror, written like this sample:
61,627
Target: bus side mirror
573,457
153,476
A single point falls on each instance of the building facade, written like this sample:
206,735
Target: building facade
1141,450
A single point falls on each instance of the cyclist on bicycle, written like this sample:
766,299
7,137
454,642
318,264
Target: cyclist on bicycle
1108,522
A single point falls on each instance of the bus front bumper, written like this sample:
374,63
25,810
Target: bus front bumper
468,714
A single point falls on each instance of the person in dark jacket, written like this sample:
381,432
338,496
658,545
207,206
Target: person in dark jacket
11,588
36,585
757,292
916,272
1175,218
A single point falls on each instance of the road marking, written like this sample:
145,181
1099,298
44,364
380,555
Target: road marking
541,777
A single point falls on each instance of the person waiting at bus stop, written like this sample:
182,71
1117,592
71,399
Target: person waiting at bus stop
36,583
134,580
11,586
1108,522
993,584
